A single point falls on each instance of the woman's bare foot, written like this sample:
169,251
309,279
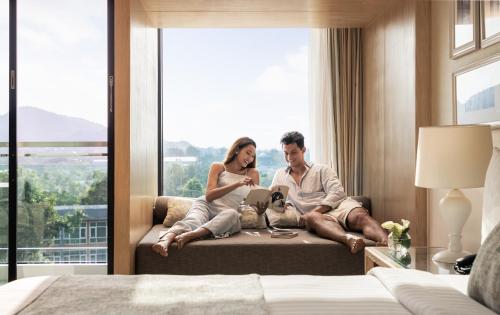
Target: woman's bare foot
355,244
161,248
163,244
185,238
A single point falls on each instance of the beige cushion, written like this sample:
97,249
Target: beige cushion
251,220
179,206
287,219
484,280
491,199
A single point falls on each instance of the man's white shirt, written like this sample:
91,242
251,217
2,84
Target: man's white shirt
318,186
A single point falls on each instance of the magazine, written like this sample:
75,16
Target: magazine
282,233
275,196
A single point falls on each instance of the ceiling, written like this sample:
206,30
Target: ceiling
264,13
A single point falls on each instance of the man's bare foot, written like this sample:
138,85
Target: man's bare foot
161,248
355,244
382,243
184,238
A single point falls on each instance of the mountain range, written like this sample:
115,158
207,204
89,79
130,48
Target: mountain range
35,124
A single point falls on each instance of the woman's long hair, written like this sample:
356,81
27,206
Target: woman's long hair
235,148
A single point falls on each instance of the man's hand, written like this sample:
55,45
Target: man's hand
303,219
282,210
321,209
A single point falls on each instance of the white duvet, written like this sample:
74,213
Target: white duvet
383,291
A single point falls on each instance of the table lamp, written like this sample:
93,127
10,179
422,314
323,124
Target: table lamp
453,157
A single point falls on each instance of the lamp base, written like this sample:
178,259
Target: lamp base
449,257
455,209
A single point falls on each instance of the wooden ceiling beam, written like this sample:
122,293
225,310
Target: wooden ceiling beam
264,13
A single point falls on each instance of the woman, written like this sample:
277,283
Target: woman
216,214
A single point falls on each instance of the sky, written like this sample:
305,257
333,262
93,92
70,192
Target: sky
219,84
4,56
62,57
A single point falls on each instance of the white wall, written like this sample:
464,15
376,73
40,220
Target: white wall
442,114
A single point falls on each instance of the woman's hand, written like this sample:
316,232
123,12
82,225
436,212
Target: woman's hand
260,208
248,181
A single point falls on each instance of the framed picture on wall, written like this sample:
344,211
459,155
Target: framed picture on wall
476,93
464,27
490,22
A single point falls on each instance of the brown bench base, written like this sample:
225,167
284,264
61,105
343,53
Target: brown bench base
250,251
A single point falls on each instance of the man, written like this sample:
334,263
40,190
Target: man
317,194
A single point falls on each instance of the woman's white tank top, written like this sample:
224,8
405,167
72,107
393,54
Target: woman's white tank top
232,199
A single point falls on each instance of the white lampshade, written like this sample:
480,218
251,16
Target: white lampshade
453,156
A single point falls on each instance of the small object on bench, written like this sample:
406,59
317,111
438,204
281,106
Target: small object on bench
282,233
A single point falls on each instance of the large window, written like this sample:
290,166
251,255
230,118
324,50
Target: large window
4,138
221,84
62,117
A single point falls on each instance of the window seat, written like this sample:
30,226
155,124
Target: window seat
250,251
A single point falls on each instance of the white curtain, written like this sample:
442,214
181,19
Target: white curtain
322,129
336,106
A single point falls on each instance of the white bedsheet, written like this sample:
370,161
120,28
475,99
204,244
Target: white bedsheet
294,294
16,295
297,294
423,293
459,282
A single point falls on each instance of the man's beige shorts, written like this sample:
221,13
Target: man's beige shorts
342,211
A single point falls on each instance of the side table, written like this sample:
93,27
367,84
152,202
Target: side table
419,258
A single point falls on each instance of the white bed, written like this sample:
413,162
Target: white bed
384,291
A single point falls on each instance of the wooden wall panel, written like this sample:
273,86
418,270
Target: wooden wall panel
373,118
423,102
136,137
399,111
391,119
122,138
143,124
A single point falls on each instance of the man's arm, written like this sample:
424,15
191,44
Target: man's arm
334,194
333,189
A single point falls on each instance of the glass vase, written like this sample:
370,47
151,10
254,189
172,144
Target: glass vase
401,244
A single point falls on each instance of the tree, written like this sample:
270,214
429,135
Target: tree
192,151
193,188
38,222
97,194
174,178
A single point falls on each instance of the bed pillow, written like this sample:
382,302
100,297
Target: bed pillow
484,280
179,206
491,196
287,219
